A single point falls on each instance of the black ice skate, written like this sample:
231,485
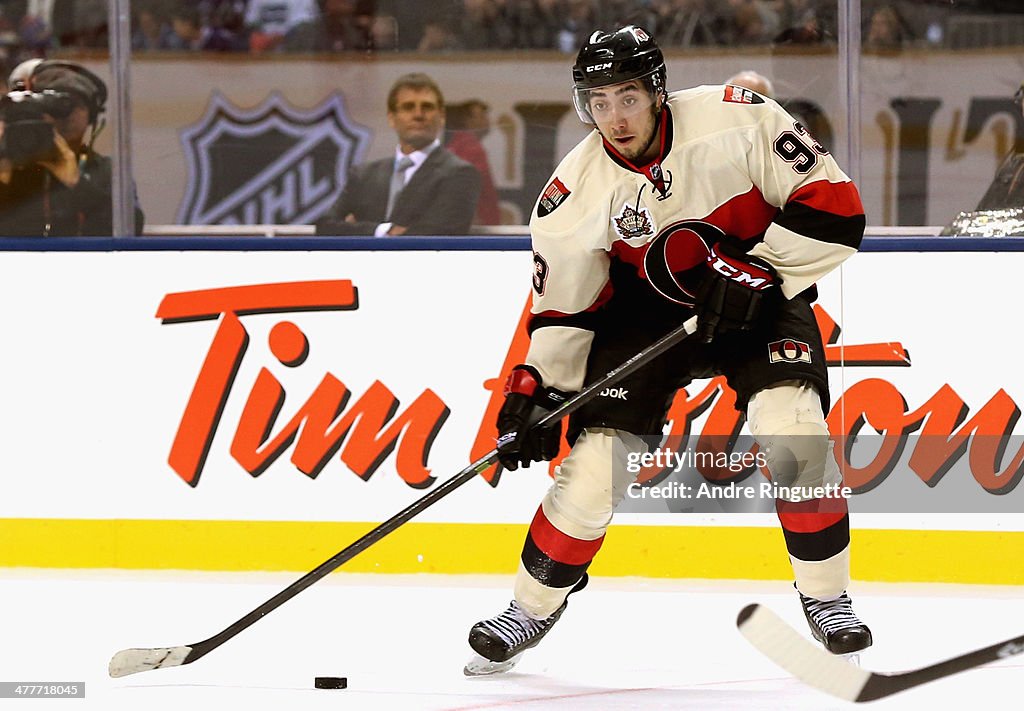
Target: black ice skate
500,641
834,624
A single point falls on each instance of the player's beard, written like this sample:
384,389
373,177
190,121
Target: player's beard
643,145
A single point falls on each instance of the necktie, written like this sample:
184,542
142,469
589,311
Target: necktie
397,182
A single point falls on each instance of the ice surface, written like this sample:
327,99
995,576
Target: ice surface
401,641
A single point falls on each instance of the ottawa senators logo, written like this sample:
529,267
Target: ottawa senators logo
789,351
675,260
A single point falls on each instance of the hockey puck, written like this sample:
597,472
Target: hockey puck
331,682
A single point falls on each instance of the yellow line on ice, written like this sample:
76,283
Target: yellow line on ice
985,557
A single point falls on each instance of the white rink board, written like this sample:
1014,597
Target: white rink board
97,385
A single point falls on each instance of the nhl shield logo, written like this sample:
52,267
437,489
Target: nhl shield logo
273,164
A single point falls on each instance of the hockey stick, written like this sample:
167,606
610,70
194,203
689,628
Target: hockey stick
823,670
131,661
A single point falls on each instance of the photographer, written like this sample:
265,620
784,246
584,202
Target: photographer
52,183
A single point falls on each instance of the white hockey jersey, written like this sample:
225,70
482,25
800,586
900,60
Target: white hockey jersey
732,162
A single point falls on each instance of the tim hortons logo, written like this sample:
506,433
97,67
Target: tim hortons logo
947,430
273,164
365,433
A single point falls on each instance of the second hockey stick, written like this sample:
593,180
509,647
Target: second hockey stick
817,667
131,661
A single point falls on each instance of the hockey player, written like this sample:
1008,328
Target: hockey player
711,201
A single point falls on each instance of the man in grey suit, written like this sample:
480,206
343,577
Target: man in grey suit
423,189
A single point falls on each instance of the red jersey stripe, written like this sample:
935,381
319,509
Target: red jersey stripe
837,198
811,516
746,215
561,547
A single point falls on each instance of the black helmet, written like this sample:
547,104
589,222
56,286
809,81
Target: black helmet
614,57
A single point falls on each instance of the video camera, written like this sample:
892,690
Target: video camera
27,136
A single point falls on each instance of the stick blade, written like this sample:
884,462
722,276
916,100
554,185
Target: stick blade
133,661
799,656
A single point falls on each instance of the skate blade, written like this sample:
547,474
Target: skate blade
479,666
851,658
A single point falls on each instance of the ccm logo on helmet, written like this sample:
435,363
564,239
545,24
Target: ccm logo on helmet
599,67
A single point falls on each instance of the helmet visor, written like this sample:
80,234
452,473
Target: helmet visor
604,104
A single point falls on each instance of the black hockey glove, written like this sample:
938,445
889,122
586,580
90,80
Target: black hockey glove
526,400
732,291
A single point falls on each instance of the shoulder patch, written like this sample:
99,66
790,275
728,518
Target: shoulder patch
553,196
741,95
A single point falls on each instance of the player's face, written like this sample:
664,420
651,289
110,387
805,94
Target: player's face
625,115
417,118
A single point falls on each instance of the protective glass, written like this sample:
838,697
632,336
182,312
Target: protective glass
606,103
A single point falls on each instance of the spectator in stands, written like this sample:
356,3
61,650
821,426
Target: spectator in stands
468,124
546,21
750,79
188,32
269,21
225,20
151,30
509,24
64,188
80,23
478,21
886,29
10,16
685,23
752,23
622,12
346,26
438,37
422,189
541,24
805,23
34,26
384,30
580,20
